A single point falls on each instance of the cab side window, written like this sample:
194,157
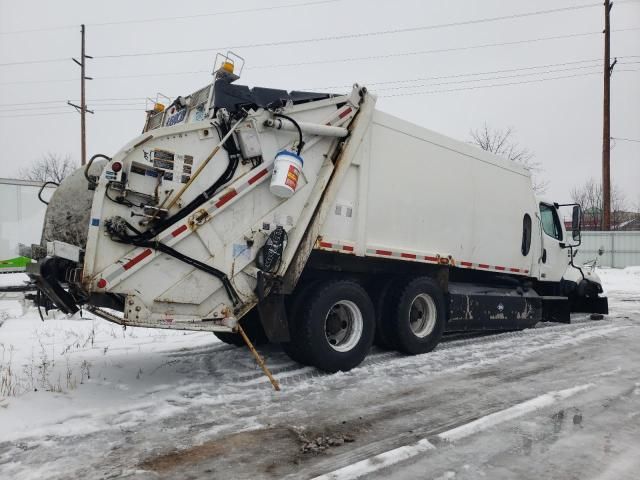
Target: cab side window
526,235
550,221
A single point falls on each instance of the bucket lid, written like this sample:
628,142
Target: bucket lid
290,154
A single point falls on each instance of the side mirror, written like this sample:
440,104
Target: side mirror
575,223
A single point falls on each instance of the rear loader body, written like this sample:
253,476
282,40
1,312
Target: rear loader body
342,224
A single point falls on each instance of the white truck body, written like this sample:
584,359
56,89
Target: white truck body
415,195
376,197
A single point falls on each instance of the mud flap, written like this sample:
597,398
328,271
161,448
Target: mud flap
273,316
556,309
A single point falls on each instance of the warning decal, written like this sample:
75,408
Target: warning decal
292,177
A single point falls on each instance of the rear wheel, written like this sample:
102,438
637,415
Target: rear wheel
251,325
336,325
417,321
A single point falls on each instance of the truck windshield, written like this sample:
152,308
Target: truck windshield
550,221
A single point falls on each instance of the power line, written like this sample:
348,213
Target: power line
382,96
501,77
183,17
328,61
4,109
203,15
37,114
488,86
473,74
34,62
139,100
331,37
69,113
334,37
422,52
29,82
194,72
94,100
351,36
625,139
215,14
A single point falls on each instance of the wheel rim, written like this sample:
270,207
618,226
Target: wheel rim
422,315
343,326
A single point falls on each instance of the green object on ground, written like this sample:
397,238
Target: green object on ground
17,264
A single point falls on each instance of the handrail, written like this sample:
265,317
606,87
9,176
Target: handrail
92,178
42,188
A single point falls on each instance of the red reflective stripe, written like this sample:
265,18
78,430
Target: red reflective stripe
483,265
500,268
514,269
345,113
226,197
466,264
408,255
526,271
347,248
179,230
431,259
383,252
326,245
137,259
258,176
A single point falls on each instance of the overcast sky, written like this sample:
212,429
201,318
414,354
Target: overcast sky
559,120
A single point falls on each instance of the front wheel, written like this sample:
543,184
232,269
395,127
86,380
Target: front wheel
336,326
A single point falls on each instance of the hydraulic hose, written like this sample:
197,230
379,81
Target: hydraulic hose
295,124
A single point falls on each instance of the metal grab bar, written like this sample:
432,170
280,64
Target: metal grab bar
42,188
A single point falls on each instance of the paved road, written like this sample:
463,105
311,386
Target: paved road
222,421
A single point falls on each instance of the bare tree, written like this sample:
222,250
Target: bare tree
589,196
501,143
49,168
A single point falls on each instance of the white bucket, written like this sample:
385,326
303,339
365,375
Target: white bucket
286,171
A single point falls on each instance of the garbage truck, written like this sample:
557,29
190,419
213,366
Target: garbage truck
312,220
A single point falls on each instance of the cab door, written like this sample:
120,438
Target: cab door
553,258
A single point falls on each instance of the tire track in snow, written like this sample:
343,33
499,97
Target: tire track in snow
405,452
448,356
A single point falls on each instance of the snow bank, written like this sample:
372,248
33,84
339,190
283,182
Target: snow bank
618,282
75,371
7,279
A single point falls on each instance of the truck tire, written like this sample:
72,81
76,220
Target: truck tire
251,326
381,293
293,349
230,338
417,322
336,325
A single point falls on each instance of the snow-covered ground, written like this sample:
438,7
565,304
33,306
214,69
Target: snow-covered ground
83,398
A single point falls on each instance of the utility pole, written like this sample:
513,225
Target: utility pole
606,125
82,108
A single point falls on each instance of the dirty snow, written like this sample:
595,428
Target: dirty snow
80,397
